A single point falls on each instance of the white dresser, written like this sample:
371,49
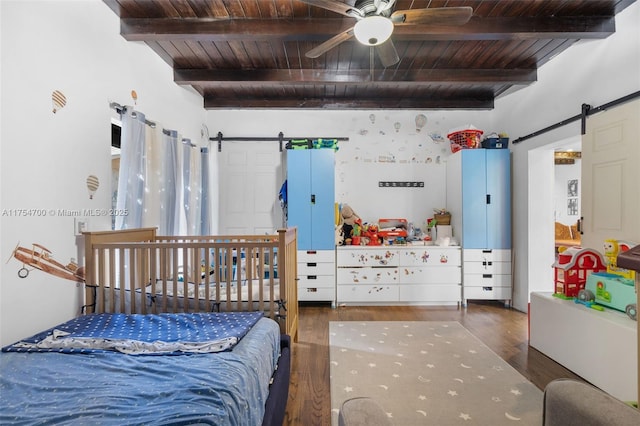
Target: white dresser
412,274
316,275
486,275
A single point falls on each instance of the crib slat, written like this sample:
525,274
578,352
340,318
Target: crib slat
153,253
174,274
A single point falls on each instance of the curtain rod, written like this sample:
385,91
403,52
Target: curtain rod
121,109
280,138
587,110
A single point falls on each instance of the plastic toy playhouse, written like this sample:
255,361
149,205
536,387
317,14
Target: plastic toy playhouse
573,268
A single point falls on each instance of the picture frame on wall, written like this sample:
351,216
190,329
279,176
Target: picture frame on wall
572,206
572,188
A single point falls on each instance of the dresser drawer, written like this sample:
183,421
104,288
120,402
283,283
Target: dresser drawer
424,275
367,257
316,256
316,294
366,275
367,293
479,255
431,293
325,281
429,255
488,267
487,280
487,293
313,268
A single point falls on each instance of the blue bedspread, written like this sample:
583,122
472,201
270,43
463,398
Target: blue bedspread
138,334
110,388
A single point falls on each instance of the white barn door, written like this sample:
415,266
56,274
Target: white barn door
250,179
611,176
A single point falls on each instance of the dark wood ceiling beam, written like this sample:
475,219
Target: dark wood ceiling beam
315,29
212,102
289,77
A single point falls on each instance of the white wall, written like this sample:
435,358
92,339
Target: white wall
45,158
375,152
593,72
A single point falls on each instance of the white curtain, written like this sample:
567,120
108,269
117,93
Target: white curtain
154,177
163,181
169,207
205,197
133,169
191,187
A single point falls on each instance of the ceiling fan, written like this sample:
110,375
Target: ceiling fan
376,20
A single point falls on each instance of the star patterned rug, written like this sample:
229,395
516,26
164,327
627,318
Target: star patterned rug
427,373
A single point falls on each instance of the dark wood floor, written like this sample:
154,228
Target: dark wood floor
503,330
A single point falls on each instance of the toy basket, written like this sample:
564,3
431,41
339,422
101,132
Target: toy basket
465,139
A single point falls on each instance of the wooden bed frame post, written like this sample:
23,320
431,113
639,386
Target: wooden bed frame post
288,246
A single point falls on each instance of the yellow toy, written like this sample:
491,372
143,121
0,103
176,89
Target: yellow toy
612,248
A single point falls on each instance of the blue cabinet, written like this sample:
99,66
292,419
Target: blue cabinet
311,197
479,197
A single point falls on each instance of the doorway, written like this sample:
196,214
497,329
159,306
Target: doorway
544,209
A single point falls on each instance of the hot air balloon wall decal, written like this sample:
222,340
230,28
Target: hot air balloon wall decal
421,120
92,185
58,99
134,96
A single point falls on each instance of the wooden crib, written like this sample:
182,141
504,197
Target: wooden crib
136,271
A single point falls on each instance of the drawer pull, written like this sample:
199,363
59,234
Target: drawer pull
487,275
312,264
312,290
487,251
311,252
312,277
487,288
487,263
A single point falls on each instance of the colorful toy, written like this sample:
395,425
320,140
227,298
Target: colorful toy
572,269
612,248
614,288
588,303
611,290
371,232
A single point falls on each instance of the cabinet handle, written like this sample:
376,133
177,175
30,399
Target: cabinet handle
313,198
311,252
487,275
487,288
312,290
488,198
312,277
312,264
487,251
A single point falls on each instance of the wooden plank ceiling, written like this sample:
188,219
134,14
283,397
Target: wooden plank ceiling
251,53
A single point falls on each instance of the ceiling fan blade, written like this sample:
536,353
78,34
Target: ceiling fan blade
330,44
435,16
388,54
334,6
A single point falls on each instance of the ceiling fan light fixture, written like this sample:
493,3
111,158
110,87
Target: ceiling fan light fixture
373,30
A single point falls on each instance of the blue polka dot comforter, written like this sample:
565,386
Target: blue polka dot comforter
187,368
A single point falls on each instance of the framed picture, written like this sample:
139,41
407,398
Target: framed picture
572,188
572,207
